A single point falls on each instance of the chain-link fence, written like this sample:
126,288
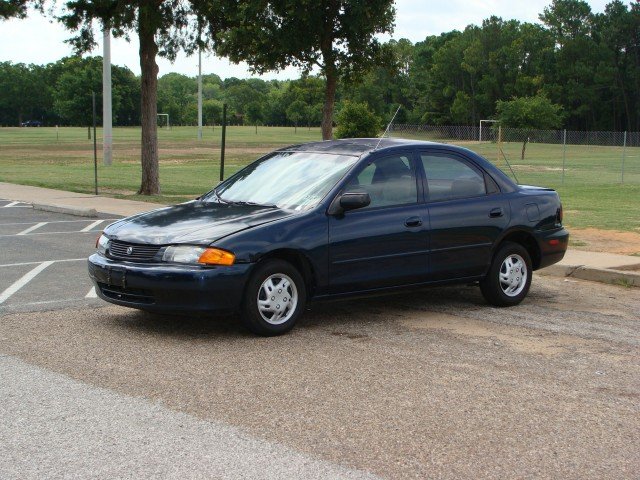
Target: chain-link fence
548,157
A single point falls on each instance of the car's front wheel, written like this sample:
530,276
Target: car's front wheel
274,298
509,277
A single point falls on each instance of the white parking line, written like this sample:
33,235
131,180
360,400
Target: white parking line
90,227
49,233
21,282
31,229
58,221
92,293
38,263
17,205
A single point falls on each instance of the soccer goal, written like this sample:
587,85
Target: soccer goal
163,121
489,133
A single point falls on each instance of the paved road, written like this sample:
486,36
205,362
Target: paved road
432,384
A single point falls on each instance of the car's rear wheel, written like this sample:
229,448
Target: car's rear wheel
509,277
274,299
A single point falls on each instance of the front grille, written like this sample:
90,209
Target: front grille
132,251
132,295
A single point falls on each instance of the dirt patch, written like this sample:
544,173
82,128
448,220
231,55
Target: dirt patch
116,191
536,168
515,338
610,241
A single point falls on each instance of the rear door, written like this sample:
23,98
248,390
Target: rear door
467,213
384,244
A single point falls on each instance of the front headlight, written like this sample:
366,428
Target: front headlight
102,245
182,254
194,255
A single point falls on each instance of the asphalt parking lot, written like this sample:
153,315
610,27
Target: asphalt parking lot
43,258
429,384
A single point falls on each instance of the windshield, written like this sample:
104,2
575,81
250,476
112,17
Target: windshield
289,180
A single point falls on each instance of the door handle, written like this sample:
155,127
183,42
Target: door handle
496,212
413,222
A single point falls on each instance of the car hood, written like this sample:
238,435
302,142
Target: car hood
192,223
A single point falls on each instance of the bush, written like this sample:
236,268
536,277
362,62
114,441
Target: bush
356,120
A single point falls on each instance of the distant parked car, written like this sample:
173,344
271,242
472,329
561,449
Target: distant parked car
330,219
31,123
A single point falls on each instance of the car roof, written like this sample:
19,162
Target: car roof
355,146
361,146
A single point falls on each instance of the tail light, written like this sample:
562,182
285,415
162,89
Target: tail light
559,215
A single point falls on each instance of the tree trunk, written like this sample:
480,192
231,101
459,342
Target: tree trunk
329,68
524,147
329,102
149,103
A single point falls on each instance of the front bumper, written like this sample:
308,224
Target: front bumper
169,288
553,245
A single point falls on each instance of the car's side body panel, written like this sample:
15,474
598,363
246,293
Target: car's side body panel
375,248
463,235
306,234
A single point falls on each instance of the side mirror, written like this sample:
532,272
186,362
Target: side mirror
349,201
353,200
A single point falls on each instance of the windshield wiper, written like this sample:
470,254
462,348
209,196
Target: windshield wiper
217,196
253,204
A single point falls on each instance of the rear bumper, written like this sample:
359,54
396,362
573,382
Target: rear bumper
166,288
553,245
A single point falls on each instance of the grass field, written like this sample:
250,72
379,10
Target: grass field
592,192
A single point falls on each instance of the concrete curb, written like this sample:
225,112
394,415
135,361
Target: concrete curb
602,275
69,210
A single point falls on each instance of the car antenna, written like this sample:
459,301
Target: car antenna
509,165
388,127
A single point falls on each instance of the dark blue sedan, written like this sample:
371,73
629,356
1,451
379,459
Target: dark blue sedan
329,219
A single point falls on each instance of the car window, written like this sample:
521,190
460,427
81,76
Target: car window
388,181
449,178
289,180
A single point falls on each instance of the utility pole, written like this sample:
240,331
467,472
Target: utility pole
107,134
200,94
95,143
224,140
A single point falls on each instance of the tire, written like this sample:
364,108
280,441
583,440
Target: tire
268,310
504,284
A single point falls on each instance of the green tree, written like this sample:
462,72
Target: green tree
73,91
618,74
254,114
296,113
529,113
163,27
336,36
17,8
241,94
355,120
24,93
125,88
74,81
211,111
275,108
177,96
573,82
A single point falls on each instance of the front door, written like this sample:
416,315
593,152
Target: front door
386,243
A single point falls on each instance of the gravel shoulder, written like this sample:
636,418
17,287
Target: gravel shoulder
432,384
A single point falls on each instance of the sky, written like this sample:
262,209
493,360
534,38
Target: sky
39,40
